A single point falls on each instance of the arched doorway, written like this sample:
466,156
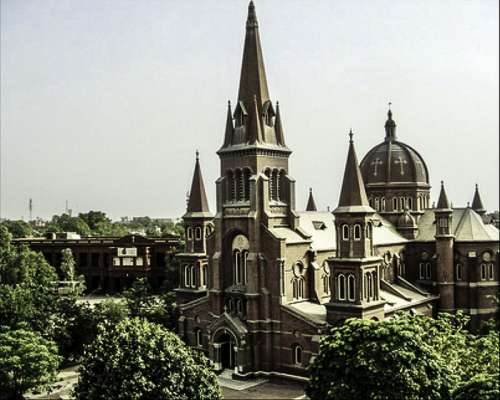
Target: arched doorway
226,350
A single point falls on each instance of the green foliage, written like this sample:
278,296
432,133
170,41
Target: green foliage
480,387
137,359
18,229
5,236
67,265
27,361
142,303
66,223
407,357
76,324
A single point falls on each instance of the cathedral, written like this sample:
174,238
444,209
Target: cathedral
261,281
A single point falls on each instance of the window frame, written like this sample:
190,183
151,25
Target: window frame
345,228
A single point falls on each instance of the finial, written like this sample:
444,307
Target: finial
468,204
310,190
477,186
197,155
390,104
442,183
229,103
350,135
277,103
252,17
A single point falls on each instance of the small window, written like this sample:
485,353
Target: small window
198,337
319,225
192,273
394,203
377,204
483,272
382,204
187,276
351,287
443,222
198,233
421,271
297,354
428,273
409,201
341,287
458,272
357,232
490,272
401,203
190,233
204,275
326,284
345,232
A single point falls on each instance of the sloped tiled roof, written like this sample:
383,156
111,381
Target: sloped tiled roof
467,226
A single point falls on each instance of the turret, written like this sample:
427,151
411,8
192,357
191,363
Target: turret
444,252
355,270
477,203
311,204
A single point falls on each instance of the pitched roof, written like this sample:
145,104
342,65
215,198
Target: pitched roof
477,203
311,204
467,226
353,195
253,79
197,196
443,202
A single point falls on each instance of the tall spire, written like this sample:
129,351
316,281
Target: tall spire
311,204
443,202
253,75
197,197
229,126
477,203
255,133
353,195
390,127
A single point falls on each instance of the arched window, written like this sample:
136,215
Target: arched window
394,204
231,186
428,271
189,232
297,354
357,232
243,266
204,275
298,288
421,271
275,185
367,231
382,204
401,203
239,185
483,272
458,272
410,203
237,266
198,337
374,285
341,287
247,173
282,186
197,232
490,271
377,204
351,287
239,307
345,232
370,285
192,275
187,276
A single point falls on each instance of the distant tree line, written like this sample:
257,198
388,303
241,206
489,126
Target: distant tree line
94,223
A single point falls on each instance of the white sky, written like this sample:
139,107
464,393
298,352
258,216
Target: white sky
103,103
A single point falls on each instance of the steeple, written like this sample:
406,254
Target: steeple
197,204
353,195
229,126
443,202
311,204
477,203
253,75
390,127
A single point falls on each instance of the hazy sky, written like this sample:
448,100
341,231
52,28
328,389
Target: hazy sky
103,103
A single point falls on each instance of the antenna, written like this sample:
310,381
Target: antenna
30,207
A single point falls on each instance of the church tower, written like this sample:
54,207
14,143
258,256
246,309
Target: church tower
254,190
355,270
198,225
444,251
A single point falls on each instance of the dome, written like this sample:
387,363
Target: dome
394,162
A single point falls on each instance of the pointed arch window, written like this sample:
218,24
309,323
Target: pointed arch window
345,232
351,287
341,285
297,354
357,232
298,288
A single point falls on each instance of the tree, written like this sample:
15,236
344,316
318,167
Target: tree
390,359
5,236
481,387
27,361
137,359
67,223
18,229
67,265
